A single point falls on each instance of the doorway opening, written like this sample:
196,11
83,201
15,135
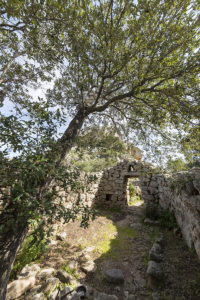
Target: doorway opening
134,192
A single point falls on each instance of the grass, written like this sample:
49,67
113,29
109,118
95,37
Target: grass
112,242
29,253
146,257
136,201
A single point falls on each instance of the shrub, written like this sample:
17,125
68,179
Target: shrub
132,190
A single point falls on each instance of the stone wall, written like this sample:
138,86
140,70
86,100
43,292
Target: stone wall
181,194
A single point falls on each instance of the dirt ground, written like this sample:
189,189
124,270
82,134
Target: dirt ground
118,246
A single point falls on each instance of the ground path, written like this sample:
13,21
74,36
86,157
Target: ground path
120,240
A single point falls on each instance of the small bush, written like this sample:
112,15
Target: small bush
132,190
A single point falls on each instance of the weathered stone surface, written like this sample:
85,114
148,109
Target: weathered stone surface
33,292
197,185
50,285
114,275
66,277
28,271
70,293
39,296
148,197
156,296
139,279
135,226
54,295
154,255
154,270
84,257
45,273
72,296
190,188
131,297
61,236
73,264
157,247
89,267
19,287
103,296
153,183
148,221
89,249
194,201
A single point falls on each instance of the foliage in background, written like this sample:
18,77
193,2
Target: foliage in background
99,149
132,190
95,165
33,134
177,165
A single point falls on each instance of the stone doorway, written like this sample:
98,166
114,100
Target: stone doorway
133,191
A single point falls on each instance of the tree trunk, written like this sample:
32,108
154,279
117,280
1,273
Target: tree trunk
72,131
10,244
12,241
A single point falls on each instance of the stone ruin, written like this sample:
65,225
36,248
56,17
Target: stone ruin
179,193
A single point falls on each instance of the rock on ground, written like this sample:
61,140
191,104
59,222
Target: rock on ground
89,249
39,296
156,296
114,275
28,271
66,277
33,292
45,273
89,267
140,281
73,296
135,226
151,222
154,270
84,257
73,264
50,285
54,295
103,296
61,236
19,287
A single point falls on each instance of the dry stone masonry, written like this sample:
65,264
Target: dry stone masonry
179,193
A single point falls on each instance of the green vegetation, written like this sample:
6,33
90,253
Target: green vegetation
70,271
166,218
96,164
137,200
112,244
178,184
135,65
146,257
29,253
132,190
